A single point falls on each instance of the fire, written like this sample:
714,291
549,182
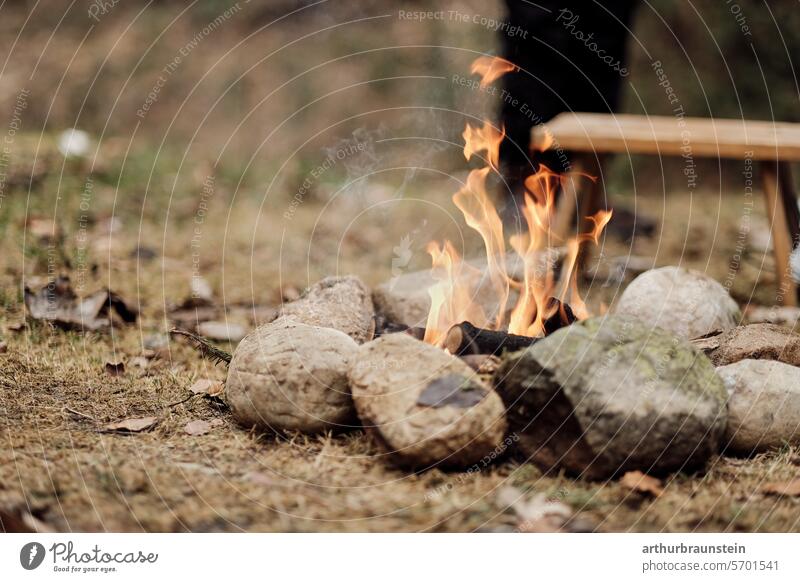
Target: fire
491,68
452,296
486,138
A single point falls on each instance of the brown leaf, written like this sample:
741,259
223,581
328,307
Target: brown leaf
641,483
130,425
58,304
782,488
208,387
200,427
115,368
16,327
451,390
3,347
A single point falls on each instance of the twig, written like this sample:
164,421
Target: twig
187,399
206,349
81,414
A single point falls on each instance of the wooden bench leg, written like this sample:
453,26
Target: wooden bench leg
784,219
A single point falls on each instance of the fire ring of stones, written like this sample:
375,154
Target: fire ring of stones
596,397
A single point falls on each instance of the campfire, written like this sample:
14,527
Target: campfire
544,301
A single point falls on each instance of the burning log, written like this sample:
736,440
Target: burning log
465,338
562,316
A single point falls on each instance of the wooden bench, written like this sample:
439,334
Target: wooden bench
772,145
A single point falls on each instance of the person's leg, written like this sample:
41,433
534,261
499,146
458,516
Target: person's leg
572,58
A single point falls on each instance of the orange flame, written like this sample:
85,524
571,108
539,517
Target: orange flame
480,214
487,138
452,296
491,68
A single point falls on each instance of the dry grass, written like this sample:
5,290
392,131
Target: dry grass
55,394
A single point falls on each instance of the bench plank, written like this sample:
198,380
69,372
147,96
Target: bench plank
637,134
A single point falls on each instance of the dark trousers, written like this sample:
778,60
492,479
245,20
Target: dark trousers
571,57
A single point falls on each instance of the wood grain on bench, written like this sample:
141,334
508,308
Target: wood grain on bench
637,134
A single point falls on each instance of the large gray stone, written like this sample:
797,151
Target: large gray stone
343,303
609,395
763,405
291,376
686,303
425,406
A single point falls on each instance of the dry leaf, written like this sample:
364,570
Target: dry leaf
539,514
115,368
638,481
132,425
207,387
58,304
451,390
16,327
3,347
782,488
200,427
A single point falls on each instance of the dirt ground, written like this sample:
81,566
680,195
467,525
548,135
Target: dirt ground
59,471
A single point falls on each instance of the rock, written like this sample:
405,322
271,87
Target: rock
611,395
763,405
758,341
342,303
686,303
291,376
424,405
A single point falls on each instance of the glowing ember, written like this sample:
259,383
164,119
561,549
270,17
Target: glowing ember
452,296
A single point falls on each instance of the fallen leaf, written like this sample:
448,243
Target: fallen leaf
17,519
539,514
207,387
115,368
58,304
200,427
16,327
130,425
451,390
782,488
3,347
641,483
222,331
